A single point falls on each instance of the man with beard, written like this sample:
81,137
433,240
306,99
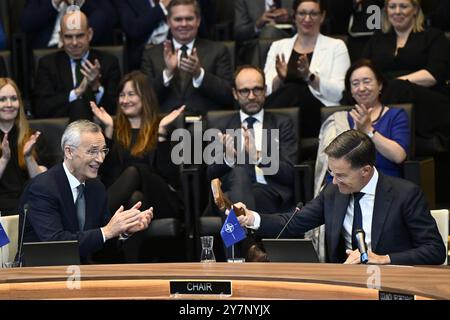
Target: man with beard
247,181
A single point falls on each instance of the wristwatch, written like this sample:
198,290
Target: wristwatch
370,134
310,78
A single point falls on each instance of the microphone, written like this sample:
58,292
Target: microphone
360,236
296,210
26,207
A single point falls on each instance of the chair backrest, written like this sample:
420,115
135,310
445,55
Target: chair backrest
117,51
441,217
52,130
11,226
6,57
325,112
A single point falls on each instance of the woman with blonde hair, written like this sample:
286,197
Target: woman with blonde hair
18,157
139,165
416,61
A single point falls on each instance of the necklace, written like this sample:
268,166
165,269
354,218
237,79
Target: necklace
379,116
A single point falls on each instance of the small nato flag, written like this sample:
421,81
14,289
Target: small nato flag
4,240
231,231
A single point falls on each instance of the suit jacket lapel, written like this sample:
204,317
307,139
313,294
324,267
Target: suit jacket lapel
69,209
383,201
319,52
65,70
335,229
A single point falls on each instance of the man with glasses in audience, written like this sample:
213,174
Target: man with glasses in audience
69,203
247,181
393,213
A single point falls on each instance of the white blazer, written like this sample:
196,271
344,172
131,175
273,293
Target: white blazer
330,60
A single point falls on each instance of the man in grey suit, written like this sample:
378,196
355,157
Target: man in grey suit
256,19
188,70
393,212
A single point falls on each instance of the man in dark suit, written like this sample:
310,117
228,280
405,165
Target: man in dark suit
249,182
68,203
393,212
188,70
40,20
67,80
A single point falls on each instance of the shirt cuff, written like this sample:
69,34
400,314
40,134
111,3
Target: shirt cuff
124,236
103,235
72,96
198,82
230,164
99,94
164,9
166,78
257,222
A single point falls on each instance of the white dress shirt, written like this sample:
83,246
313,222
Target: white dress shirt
177,46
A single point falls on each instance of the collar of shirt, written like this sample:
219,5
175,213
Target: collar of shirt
73,182
269,4
73,65
371,186
258,116
177,45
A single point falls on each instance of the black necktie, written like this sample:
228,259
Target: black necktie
80,205
357,217
250,122
185,77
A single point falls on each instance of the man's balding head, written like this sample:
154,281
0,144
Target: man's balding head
75,34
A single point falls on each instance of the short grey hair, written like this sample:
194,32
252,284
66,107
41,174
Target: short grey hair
72,134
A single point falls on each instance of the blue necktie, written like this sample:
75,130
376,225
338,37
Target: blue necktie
80,205
357,217
250,122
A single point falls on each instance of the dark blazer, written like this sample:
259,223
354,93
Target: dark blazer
39,18
54,82
246,12
215,91
138,20
402,225
52,213
283,181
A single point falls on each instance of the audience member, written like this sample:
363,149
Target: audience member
67,80
41,20
392,212
307,70
139,166
19,159
387,127
246,182
189,70
256,19
416,60
68,203
144,22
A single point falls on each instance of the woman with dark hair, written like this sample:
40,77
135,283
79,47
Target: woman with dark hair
18,156
416,62
308,69
139,165
388,128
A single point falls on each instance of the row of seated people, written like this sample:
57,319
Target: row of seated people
137,169
306,71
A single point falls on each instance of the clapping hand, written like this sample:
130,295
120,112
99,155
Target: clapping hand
170,57
191,64
162,129
6,150
361,115
29,145
281,66
303,66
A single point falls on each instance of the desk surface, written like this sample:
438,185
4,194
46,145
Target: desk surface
249,281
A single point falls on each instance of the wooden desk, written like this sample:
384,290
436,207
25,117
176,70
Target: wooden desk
250,281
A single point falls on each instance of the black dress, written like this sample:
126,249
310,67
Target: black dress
14,178
295,92
427,50
153,174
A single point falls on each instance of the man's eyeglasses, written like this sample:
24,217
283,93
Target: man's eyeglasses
313,14
257,91
94,152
